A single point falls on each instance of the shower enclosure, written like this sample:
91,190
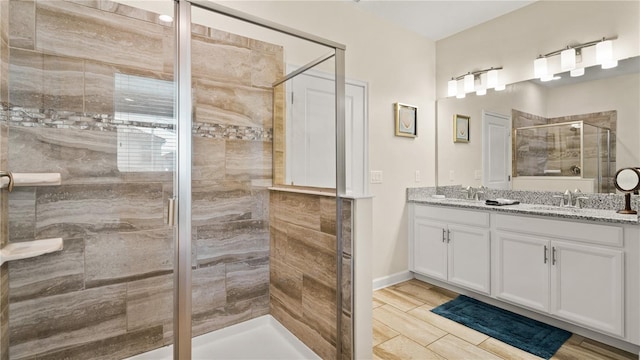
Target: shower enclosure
569,149
163,135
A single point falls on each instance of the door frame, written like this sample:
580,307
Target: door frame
364,186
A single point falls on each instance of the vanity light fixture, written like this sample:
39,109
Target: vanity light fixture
492,78
469,82
568,59
460,94
481,89
570,55
540,67
452,87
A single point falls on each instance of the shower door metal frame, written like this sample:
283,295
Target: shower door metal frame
182,177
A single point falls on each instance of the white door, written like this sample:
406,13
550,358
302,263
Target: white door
430,249
311,133
469,256
587,286
523,270
496,150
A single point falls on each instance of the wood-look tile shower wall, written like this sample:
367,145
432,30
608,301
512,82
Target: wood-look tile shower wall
303,269
108,294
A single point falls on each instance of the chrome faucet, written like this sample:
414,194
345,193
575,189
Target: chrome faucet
568,198
479,191
468,191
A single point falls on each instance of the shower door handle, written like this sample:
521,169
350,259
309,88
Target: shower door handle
171,212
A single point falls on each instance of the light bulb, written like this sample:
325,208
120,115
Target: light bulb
500,87
481,92
452,87
460,94
492,79
568,59
165,18
610,64
469,81
540,67
604,52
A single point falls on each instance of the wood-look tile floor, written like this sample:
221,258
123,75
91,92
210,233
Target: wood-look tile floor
405,328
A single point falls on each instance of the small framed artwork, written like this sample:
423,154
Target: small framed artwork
460,128
406,120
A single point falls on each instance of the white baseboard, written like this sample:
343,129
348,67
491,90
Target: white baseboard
383,282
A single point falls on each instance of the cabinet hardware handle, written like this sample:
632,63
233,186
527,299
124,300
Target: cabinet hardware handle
448,236
444,239
553,255
546,252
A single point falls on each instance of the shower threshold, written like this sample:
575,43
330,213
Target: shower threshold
261,338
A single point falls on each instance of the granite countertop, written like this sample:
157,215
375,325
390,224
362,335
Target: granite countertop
599,215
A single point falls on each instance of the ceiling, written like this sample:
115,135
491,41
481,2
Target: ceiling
439,19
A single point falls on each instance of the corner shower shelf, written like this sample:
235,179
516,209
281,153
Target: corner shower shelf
29,179
29,249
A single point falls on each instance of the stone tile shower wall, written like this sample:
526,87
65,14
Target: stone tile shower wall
303,269
108,294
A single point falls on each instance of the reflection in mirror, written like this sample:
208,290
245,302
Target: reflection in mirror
627,179
600,102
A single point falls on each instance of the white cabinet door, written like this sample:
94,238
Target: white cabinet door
587,285
469,257
430,251
523,270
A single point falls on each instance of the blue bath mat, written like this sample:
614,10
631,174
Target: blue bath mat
527,334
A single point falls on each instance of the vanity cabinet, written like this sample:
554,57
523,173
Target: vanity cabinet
452,245
577,275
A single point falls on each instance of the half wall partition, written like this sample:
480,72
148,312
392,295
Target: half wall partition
152,124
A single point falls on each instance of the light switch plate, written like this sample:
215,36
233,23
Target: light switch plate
376,177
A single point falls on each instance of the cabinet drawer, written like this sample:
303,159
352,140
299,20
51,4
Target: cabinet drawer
583,232
452,216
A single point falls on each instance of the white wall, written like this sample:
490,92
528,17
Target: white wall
516,39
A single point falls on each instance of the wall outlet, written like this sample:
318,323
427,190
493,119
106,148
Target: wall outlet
452,176
418,178
376,177
478,174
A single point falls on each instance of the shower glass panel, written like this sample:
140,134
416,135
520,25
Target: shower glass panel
570,149
90,96
257,250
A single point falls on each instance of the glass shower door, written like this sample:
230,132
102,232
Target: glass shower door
89,96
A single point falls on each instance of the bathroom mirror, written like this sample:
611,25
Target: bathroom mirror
606,98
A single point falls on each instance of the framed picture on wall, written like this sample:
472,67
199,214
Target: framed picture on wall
406,120
460,128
